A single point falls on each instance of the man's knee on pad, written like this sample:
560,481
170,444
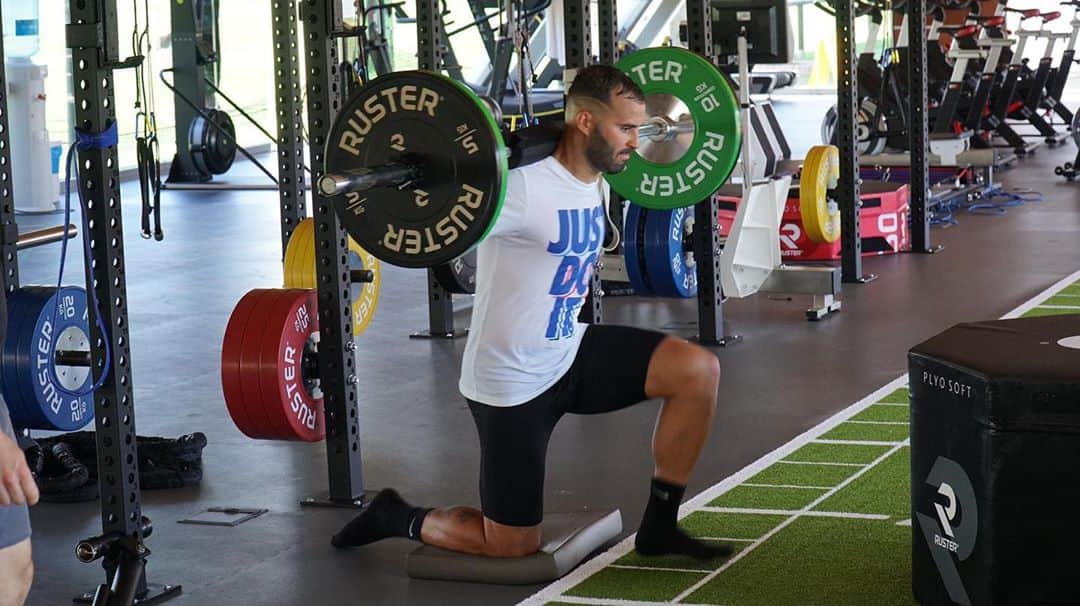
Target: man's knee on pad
503,541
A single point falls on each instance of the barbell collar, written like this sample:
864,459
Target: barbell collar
363,179
664,129
49,235
362,276
73,358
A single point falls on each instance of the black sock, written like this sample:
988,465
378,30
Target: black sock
660,534
388,515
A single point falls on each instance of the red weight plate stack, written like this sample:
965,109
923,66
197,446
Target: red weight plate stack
262,360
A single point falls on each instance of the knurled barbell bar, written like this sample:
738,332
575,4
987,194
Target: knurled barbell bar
421,162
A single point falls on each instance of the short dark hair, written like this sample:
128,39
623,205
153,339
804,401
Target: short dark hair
602,82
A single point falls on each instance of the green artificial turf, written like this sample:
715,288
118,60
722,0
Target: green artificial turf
869,433
1048,311
819,561
885,489
762,497
838,453
783,474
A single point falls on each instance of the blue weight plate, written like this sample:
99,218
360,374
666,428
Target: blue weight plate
632,248
664,254
16,326
657,257
19,357
22,357
54,402
74,333
686,275
23,321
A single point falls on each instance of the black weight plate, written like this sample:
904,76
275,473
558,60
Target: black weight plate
459,275
441,125
211,151
634,250
9,384
221,150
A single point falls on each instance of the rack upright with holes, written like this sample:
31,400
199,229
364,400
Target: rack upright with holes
578,40
289,118
706,212
93,40
918,125
608,31
434,53
847,103
9,230
188,76
337,367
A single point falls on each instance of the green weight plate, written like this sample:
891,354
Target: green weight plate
688,167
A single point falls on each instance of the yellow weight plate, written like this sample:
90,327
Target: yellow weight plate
365,301
300,272
289,264
820,173
305,269
299,256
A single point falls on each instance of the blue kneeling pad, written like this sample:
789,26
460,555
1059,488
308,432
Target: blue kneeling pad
568,538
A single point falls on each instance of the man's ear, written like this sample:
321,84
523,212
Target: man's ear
585,122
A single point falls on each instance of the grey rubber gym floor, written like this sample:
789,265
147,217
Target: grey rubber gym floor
787,375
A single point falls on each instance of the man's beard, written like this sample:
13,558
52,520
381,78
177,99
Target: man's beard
601,155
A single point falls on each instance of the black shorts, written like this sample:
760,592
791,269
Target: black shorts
607,374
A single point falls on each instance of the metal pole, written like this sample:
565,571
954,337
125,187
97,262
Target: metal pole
337,366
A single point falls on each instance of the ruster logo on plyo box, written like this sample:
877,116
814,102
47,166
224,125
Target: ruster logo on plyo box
952,529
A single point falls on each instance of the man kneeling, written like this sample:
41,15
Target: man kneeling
528,361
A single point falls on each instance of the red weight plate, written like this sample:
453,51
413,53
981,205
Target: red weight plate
231,348
251,368
272,404
294,320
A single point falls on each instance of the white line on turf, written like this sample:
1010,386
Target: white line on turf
797,513
906,522
554,591
905,405
754,485
750,549
727,539
573,599
878,422
786,462
1059,306
858,442
661,568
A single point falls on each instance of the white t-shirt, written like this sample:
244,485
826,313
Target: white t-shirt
532,276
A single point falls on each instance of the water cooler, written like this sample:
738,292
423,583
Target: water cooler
34,172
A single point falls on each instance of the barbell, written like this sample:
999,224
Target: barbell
419,166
